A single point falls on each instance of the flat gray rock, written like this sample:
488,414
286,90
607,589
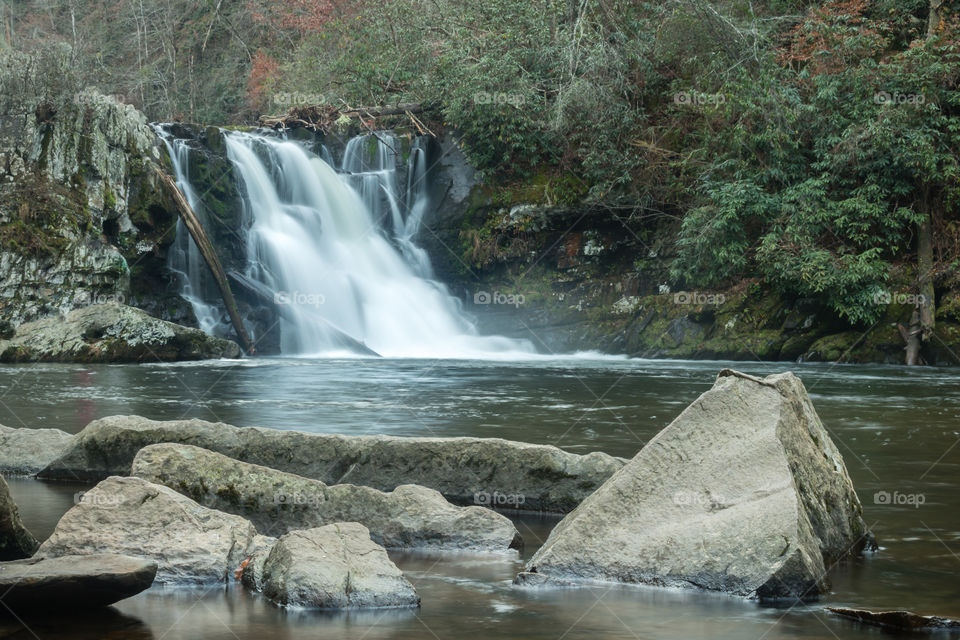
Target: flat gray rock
744,493
111,332
486,471
15,541
24,452
899,620
276,502
336,566
73,581
190,544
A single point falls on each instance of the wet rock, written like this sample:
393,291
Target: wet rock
899,620
336,566
73,582
26,451
486,471
15,541
743,493
190,544
111,332
277,502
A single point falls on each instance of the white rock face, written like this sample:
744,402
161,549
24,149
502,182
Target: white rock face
331,567
743,493
189,543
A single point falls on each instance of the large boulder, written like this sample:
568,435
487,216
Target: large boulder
190,544
111,332
26,451
73,581
336,566
15,541
277,502
743,493
487,471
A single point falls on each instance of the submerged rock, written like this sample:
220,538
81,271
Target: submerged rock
899,620
336,566
111,332
485,471
191,544
26,451
73,582
743,493
277,502
15,541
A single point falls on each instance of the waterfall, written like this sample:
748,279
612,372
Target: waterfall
184,259
337,250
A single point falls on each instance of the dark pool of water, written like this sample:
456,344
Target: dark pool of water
898,429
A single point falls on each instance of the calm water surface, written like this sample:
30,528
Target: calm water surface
897,428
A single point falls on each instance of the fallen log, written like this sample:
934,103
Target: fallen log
192,223
322,117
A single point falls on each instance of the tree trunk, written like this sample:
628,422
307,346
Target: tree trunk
926,309
911,335
925,276
934,18
210,257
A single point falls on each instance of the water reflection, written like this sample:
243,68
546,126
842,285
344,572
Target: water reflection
898,430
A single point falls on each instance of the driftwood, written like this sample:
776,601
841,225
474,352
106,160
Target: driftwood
261,292
203,243
323,117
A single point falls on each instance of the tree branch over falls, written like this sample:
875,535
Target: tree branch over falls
199,236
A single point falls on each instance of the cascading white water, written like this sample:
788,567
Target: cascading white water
185,259
338,251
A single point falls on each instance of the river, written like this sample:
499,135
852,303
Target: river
897,428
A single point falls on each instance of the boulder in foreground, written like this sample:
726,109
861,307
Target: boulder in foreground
23,452
111,332
899,620
73,582
189,543
486,471
336,566
276,502
15,541
744,493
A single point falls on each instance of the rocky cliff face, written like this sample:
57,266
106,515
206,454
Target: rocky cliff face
532,260
82,220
